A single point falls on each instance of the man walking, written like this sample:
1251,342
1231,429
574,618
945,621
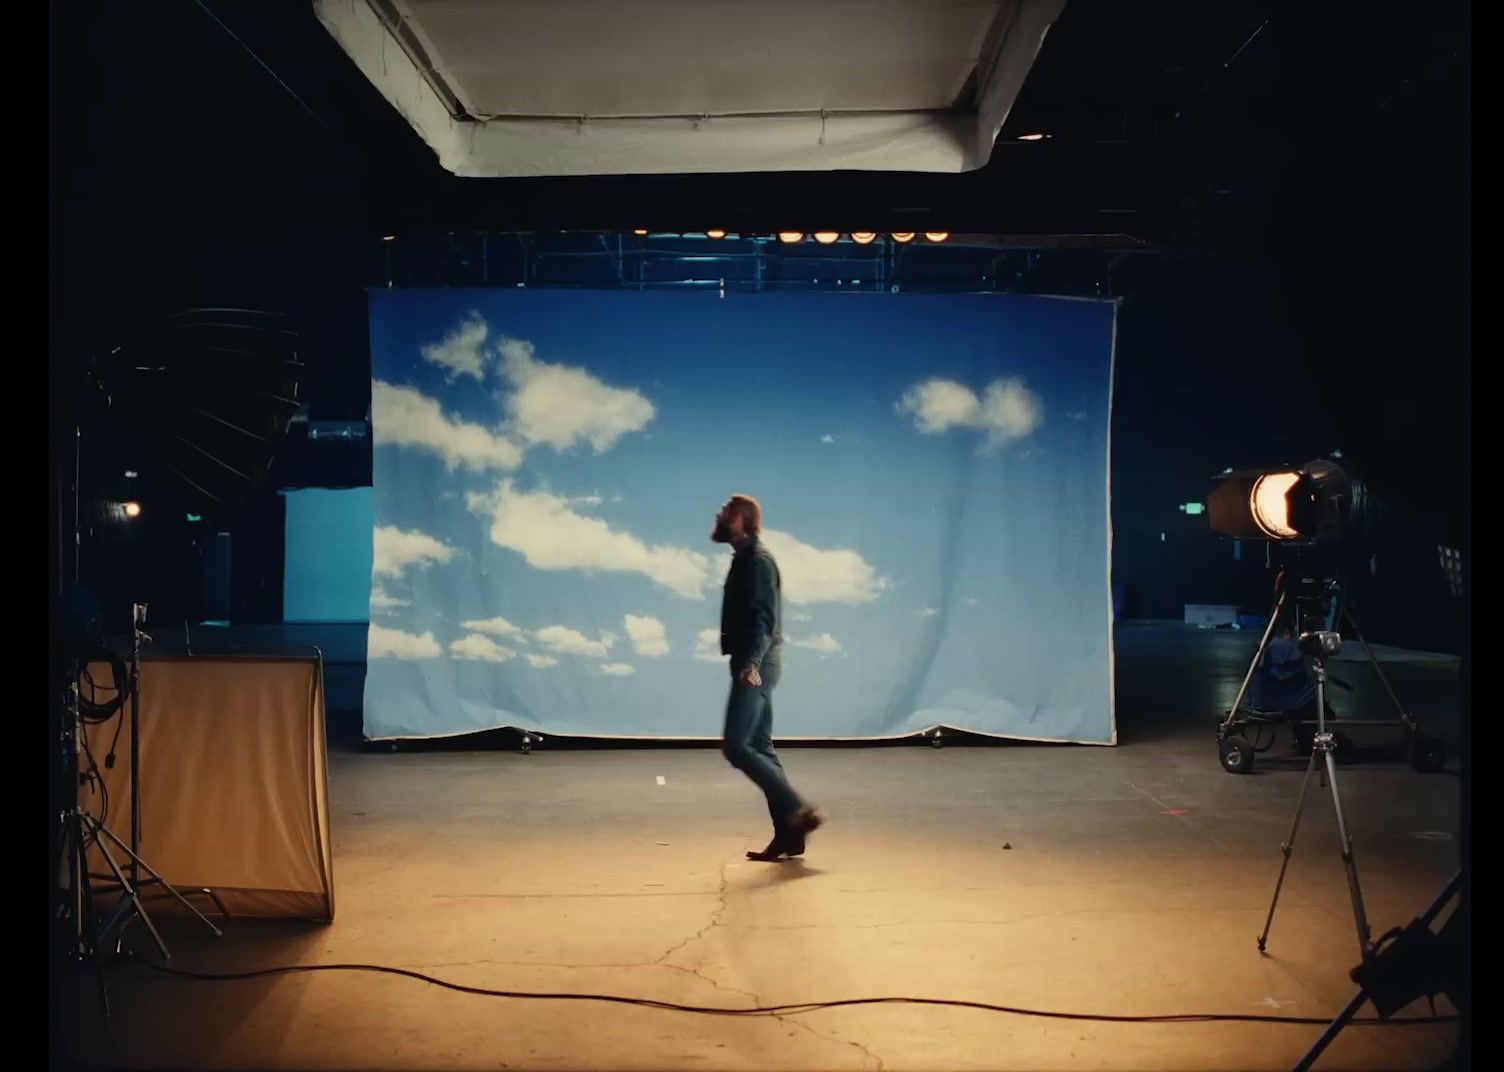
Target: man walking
751,633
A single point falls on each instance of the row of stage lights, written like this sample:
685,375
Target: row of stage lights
825,238
829,238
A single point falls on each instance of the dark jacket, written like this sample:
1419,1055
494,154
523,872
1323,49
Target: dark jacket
751,608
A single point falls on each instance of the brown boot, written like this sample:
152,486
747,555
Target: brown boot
785,843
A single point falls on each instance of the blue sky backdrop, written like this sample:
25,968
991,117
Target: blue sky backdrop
932,469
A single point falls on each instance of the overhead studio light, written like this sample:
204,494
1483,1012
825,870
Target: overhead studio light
937,236
131,510
902,236
1310,504
863,238
1033,137
790,237
715,234
639,230
826,238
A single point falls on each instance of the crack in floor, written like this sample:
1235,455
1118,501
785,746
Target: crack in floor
722,892
786,1019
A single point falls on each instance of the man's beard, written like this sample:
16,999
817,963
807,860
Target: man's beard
721,534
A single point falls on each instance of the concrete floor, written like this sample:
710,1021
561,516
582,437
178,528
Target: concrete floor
1136,883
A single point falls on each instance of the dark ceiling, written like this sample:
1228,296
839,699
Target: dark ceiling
201,147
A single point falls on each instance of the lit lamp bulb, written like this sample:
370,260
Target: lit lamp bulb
1270,505
826,238
132,510
903,236
862,238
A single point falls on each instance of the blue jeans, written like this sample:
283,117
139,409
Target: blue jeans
747,743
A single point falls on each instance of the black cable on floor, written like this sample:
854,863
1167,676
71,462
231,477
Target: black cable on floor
811,1006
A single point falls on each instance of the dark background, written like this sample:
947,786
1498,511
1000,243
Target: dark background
1281,200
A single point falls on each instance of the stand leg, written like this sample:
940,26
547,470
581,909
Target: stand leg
1263,643
159,880
85,943
130,904
1333,1029
1287,848
1352,620
1360,917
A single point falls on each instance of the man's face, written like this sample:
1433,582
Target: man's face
729,526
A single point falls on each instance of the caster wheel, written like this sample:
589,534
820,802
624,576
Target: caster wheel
1236,753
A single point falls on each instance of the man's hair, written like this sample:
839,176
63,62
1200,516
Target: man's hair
750,511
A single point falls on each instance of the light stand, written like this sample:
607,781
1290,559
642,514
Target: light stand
131,888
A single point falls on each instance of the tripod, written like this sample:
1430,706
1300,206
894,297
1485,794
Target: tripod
1319,647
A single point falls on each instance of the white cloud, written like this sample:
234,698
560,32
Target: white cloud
617,670
382,600
827,439
498,627
939,405
542,661
551,536
480,649
562,406
648,636
928,612
708,646
462,352
396,550
384,643
1007,411
403,417
798,616
812,575
824,643
567,641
